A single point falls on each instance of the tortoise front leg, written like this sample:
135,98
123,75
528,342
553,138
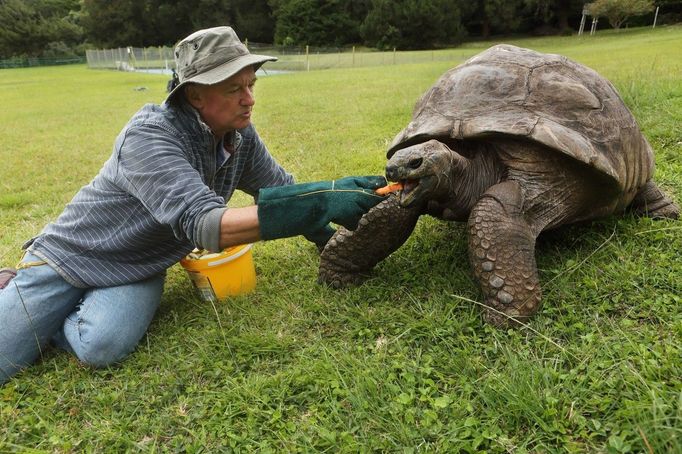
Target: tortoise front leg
350,255
502,255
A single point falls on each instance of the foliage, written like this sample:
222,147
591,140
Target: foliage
254,20
412,24
39,28
402,363
120,23
494,16
551,13
301,22
115,23
618,11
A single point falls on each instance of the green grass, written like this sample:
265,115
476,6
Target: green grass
401,364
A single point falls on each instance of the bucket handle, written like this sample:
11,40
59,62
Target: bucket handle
243,251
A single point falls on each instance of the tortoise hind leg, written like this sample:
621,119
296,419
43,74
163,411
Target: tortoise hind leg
652,202
349,255
502,255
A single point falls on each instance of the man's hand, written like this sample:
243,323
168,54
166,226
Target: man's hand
306,208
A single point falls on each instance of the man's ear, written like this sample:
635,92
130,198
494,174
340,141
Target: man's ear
194,96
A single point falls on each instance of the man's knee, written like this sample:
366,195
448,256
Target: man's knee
111,321
103,351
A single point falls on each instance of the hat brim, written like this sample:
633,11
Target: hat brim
224,71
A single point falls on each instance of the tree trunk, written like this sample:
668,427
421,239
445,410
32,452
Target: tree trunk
485,28
562,15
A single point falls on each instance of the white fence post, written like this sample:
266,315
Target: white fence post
582,21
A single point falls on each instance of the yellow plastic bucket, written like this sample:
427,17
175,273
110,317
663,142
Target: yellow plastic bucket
217,276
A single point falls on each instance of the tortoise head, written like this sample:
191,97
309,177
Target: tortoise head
425,171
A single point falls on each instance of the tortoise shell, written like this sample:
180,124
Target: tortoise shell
546,98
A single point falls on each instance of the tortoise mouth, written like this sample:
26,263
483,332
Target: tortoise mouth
414,190
409,186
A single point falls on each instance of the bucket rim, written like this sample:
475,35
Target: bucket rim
226,256
220,261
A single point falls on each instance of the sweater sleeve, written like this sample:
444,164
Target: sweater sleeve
153,168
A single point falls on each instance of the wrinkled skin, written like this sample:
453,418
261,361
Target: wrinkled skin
507,191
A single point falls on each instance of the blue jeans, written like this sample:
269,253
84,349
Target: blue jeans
99,325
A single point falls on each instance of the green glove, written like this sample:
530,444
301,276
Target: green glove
321,237
305,209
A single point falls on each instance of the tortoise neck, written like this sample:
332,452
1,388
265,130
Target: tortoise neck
478,172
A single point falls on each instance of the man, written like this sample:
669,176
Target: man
91,281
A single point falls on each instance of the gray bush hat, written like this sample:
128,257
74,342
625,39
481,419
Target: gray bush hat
210,56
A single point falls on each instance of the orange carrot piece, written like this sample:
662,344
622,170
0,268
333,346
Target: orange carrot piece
389,188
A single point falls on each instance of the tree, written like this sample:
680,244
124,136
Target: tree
36,28
114,23
412,24
253,19
498,16
618,11
553,13
315,22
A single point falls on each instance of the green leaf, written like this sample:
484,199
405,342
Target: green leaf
404,399
470,422
441,402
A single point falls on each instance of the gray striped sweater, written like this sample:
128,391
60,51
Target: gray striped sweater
146,208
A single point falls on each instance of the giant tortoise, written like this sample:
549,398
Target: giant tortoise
514,142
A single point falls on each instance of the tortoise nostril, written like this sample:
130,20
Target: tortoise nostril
415,163
391,172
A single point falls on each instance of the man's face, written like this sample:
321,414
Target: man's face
227,105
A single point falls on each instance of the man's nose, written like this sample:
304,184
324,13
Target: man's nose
248,99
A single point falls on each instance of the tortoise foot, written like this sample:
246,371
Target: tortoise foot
340,279
669,211
502,315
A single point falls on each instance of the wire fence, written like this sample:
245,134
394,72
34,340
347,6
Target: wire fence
131,58
27,62
290,58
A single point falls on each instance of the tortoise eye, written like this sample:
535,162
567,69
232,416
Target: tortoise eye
415,163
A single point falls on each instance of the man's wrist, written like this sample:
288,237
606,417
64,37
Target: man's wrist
208,232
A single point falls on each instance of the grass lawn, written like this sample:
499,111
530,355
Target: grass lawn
402,363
